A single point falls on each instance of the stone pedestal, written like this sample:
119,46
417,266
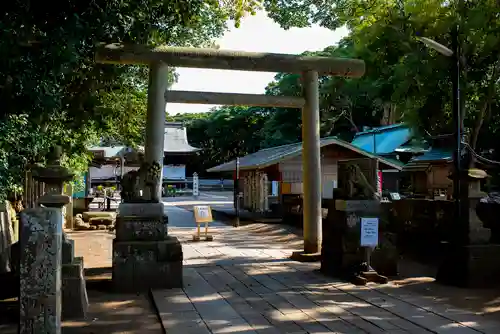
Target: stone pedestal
74,292
478,234
476,265
75,301
473,266
341,254
144,256
40,271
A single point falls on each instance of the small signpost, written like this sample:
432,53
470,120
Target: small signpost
202,215
369,239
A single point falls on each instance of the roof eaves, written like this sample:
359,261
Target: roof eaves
297,151
380,129
370,155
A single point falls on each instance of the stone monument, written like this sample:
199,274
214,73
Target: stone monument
47,262
342,254
144,255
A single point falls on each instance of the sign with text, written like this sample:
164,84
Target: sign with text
369,232
202,214
196,185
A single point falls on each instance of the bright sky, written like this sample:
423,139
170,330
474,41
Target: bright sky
256,34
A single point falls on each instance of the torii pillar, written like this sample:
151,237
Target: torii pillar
311,164
155,118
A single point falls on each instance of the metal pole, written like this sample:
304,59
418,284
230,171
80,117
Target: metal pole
460,186
237,193
311,161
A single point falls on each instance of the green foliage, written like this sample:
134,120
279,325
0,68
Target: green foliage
404,80
78,184
52,92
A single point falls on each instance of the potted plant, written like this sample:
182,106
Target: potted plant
99,191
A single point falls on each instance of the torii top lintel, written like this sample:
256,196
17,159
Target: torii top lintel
228,60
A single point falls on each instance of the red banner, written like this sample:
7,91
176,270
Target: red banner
379,182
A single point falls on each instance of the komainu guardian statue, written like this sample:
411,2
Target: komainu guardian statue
138,186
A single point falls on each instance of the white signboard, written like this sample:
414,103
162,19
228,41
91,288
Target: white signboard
369,232
395,196
202,214
108,171
174,172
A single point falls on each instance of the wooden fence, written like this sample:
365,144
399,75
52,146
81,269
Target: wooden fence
34,189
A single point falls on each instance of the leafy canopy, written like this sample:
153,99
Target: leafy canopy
52,91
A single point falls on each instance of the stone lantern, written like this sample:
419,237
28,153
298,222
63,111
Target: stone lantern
54,176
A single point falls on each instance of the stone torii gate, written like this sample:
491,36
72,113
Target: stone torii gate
159,58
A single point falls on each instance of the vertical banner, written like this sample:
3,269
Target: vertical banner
379,182
196,185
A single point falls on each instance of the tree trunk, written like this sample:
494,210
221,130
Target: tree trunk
484,108
390,114
386,115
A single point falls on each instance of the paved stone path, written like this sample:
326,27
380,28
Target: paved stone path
243,282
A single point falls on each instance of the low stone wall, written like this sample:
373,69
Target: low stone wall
421,226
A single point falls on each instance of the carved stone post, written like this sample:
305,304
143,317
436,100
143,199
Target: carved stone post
41,254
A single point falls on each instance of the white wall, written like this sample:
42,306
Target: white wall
108,171
174,172
291,172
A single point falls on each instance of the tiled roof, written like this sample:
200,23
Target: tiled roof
175,141
274,155
433,155
109,151
386,138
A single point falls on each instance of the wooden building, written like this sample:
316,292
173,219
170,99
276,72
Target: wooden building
396,142
109,163
280,169
178,151
428,175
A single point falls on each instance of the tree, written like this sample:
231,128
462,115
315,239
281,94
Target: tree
346,105
413,79
51,87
